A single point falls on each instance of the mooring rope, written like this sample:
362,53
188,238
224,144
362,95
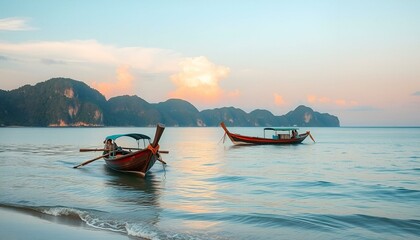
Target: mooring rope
154,150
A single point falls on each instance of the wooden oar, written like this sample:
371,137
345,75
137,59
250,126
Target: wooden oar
160,151
160,160
92,149
311,137
92,160
101,149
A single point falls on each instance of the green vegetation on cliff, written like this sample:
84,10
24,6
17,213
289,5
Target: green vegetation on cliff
67,102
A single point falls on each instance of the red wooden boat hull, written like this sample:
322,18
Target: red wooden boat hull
139,162
240,139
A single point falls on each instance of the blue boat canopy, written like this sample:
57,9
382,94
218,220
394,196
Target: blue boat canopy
281,129
136,136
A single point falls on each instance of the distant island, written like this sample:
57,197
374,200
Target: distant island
63,102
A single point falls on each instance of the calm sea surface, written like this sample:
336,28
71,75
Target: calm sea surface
353,183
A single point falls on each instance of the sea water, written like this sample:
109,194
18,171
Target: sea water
353,183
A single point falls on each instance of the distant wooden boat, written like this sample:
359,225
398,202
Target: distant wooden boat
139,161
287,135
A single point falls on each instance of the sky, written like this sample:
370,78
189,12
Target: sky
357,60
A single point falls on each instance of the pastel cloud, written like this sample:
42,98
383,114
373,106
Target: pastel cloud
14,24
198,81
416,93
279,100
122,86
91,52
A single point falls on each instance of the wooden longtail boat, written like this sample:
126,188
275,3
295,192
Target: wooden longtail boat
291,137
139,161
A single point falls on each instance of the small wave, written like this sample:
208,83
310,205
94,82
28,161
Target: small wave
391,193
227,179
317,222
320,223
62,211
100,223
314,184
335,223
137,230
383,224
93,219
89,217
110,225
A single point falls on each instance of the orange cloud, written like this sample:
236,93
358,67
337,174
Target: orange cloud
122,86
279,100
311,98
198,80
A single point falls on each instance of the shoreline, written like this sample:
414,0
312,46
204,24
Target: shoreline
16,224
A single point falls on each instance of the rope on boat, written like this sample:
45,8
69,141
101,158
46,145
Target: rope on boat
164,167
223,138
154,150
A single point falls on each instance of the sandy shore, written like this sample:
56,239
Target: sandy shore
16,225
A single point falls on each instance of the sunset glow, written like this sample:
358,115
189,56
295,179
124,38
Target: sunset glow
198,80
278,99
122,86
358,61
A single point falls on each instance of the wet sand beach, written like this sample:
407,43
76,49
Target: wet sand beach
16,225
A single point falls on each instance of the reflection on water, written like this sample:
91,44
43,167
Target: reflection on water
132,182
139,195
196,159
212,190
